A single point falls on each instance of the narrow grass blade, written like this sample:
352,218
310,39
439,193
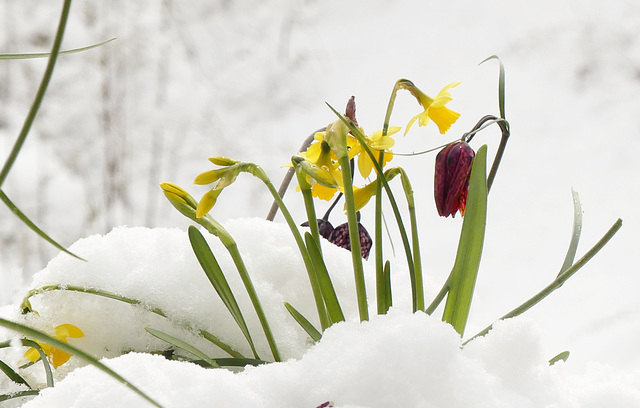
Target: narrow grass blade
43,357
33,226
575,233
559,281
19,394
386,277
216,277
324,280
182,345
239,362
465,269
501,81
224,346
561,356
303,322
42,89
13,376
44,338
48,54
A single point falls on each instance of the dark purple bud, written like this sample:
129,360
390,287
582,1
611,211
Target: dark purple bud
340,237
325,404
453,168
324,227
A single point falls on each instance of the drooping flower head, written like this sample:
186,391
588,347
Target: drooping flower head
56,356
434,108
453,168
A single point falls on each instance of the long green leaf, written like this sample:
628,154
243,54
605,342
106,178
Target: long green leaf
182,345
465,269
45,338
575,233
48,54
501,81
19,394
303,322
30,224
12,374
224,346
324,280
42,89
213,271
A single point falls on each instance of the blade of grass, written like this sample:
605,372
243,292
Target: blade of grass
13,376
561,356
575,233
303,322
42,89
182,345
559,281
48,54
45,338
465,269
19,394
14,209
213,271
326,286
43,357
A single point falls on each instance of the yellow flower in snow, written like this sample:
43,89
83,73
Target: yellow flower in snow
435,109
376,142
56,356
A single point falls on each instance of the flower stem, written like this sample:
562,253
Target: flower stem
317,294
354,237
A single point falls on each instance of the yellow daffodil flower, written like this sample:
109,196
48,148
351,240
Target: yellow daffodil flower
375,142
56,356
435,110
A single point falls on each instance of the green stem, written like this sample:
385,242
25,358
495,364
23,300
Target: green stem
309,207
394,205
42,89
317,294
559,281
354,237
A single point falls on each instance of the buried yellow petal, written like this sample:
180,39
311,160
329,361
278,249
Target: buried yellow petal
56,356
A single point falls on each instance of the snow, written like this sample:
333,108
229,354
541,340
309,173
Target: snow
248,80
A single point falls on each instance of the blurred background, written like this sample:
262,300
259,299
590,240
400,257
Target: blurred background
186,80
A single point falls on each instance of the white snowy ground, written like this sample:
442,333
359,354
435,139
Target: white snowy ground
572,85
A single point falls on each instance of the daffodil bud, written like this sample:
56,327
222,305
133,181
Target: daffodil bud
336,137
178,195
453,168
319,174
222,161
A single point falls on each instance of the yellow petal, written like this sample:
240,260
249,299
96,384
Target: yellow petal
68,330
410,124
32,355
210,176
59,357
443,117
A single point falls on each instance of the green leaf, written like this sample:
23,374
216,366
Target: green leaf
33,226
213,271
48,54
45,338
575,233
19,394
386,278
224,346
182,345
13,376
501,81
303,322
43,357
561,356
465,269
324,280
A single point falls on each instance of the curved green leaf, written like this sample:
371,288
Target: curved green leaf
48,54
324,280
465,269
45,338
303,322
182,345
